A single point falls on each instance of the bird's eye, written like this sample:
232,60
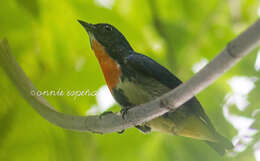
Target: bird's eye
108,28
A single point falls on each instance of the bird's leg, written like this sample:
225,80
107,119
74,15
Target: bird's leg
124,111
145,129
105,113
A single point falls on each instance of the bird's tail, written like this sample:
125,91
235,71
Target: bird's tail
221,145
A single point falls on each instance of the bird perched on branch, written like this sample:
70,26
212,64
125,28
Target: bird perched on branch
134,79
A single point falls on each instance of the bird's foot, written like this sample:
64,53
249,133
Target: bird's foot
124,111
121,132
145,129
105,113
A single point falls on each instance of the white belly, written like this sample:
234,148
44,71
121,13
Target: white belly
139,94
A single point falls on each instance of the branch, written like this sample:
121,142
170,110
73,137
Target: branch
234,51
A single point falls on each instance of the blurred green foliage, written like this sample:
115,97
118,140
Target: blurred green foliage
54,51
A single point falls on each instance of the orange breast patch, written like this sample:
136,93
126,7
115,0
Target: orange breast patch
109,67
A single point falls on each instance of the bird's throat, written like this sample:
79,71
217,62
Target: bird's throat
110,68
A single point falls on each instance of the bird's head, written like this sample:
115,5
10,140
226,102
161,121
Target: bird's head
109,37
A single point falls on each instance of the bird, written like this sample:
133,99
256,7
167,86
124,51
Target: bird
134,79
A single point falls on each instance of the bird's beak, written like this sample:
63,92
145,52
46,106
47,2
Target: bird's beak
89,27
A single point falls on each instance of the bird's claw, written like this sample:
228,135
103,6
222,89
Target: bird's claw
124,112
145,129
120,132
